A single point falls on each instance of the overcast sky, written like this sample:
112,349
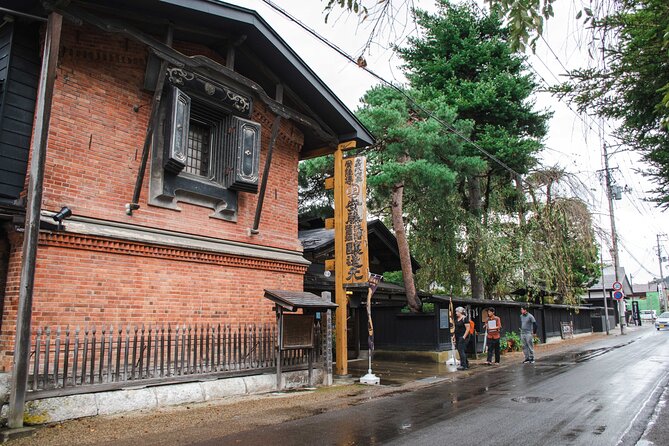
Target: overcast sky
571,143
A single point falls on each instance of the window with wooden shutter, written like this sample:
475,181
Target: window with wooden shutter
242,154
177,130
208,153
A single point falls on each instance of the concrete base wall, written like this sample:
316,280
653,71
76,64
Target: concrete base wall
556,339
412,355
49,410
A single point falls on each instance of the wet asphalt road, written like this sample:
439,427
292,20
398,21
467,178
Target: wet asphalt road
604,395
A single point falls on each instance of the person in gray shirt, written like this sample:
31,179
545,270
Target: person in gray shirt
528,328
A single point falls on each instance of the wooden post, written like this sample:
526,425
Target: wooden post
17,394
279,356
310,353
265,175
153,122
328,343
341,368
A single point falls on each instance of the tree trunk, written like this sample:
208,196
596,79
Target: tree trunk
474,238
486,199
403,246
521,222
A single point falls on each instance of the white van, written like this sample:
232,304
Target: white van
648,315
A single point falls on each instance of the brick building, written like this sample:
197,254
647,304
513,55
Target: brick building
198,245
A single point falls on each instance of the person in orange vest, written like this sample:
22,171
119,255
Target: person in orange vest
493,328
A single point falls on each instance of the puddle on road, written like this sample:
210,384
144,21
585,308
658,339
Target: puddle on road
432,379
585,355
531,399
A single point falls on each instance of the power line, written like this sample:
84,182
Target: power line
554,55
636,197
409,98
634,258
429,114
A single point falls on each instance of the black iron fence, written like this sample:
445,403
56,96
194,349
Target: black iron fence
74,360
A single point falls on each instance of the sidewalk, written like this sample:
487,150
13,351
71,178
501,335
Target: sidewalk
400,372
238,414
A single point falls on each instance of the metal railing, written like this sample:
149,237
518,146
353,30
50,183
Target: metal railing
68,361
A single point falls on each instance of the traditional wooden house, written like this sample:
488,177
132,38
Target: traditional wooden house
175,132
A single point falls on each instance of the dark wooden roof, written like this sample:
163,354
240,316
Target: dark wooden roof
382,244
501,303
295,300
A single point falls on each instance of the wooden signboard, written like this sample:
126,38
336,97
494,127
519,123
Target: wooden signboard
297,331
356,263
567,330
443,318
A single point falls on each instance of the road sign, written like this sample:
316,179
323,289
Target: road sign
617,286
617,295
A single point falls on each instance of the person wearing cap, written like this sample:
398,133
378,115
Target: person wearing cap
460,336
493,326
528,328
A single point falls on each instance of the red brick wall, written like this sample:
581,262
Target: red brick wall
93,288
85,287
96,139
4,264
10,306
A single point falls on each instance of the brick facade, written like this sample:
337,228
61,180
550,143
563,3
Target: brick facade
96,137
94,152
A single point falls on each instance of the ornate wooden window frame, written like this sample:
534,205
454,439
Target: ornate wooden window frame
235,152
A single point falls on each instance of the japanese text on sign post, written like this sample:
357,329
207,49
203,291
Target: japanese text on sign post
355,221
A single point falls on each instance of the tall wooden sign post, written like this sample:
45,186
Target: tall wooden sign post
351,264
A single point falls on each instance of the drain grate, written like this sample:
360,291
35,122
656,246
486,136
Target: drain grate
531,399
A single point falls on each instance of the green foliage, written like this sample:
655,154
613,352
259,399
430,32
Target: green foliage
463,69
561,252
525,19
426,307
408,159
313,199
394,277
632,87
465,56
354,6
510,337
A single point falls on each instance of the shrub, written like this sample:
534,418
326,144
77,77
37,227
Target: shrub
510,337
427,307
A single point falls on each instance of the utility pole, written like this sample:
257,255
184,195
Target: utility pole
606,305
661,288
614,237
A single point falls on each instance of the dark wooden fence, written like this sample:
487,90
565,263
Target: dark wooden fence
73,360
403,331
